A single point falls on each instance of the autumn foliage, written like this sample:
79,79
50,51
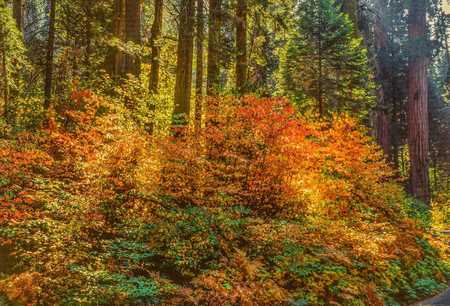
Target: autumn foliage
259,207
258,152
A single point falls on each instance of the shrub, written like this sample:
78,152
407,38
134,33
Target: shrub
261,207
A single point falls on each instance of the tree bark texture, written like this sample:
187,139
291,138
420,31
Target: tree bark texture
418,125
183,82
241,47
154,44
133,34
18,13
214,25
383,114
200,37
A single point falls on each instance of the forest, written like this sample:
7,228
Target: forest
224,152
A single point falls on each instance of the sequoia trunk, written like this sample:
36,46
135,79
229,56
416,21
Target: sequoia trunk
418,126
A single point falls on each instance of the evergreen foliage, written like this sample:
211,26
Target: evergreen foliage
325,67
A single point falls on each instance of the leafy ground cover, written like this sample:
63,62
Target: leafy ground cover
260,207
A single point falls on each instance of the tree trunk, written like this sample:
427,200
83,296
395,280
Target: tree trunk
18,13
154,44
199,66
383,124
115,60
133,34
50,51
213,46
418,126
183,80
241,47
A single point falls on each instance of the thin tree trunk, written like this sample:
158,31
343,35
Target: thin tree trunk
199,66
156,49
383,124
183,82
213,47
241,47
115,58
418,126
18,13
50,52
133,34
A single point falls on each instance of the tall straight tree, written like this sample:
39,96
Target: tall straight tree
133,34
214,25
183,81
18,13
115,59
200,37
154,44
50,55
241,47
383,76
418,126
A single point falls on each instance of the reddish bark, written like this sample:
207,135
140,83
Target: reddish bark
418,126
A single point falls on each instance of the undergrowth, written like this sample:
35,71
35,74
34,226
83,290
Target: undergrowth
260,207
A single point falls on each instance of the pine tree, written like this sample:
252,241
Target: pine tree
325,65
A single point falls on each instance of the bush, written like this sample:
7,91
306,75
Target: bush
261,207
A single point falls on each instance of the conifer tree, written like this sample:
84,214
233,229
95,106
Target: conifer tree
325,66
